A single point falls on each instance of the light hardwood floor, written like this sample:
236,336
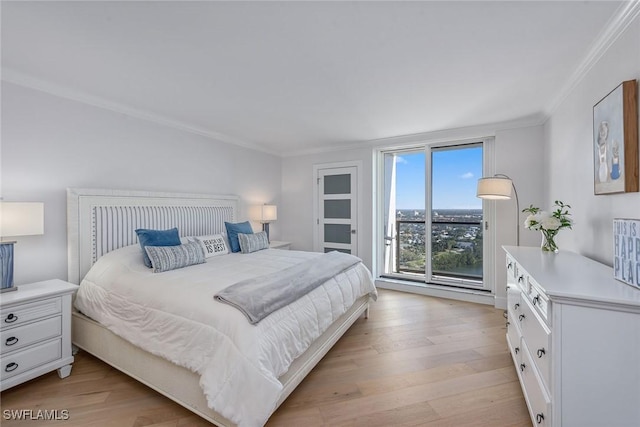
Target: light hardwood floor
417,361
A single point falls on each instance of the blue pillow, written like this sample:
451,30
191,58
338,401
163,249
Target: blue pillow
232,233
156,238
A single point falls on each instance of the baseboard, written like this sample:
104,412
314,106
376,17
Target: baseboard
501,302
459,294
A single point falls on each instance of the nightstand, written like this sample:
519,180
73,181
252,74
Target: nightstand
274,244
35,331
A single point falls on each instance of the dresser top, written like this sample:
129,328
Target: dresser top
37,290
568,275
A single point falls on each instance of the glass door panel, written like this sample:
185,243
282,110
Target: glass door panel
337,209
456,216
404,214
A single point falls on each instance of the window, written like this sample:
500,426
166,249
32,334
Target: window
432,224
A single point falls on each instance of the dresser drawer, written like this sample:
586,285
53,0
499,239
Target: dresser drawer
513,300
513,338
18,315
25,335
538,299
511,269
538,400
22,361
537,337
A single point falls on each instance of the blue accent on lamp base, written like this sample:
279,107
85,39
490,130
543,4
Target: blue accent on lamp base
6,267
265,228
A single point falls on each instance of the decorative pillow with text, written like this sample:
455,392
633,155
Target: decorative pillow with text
213,245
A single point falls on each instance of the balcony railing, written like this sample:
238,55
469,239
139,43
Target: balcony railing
456,248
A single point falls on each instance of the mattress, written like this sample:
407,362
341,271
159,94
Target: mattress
174,315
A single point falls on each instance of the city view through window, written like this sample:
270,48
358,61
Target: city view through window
456,220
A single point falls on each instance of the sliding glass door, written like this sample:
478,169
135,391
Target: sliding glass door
432,219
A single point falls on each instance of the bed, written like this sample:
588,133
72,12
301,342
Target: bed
100,229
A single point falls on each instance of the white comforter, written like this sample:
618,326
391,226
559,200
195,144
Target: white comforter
174,315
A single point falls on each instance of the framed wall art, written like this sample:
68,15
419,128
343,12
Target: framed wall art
615,141
626,244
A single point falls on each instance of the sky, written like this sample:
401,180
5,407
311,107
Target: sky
455,176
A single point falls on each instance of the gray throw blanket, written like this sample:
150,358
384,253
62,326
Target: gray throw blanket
260,296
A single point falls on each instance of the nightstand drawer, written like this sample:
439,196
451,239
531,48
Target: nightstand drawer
30,358
25,335
14,316
274,244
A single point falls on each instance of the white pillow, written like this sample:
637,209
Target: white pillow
213,245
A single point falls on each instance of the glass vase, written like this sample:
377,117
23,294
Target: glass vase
549,241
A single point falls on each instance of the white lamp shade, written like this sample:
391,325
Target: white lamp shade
21,218
263,213
494,188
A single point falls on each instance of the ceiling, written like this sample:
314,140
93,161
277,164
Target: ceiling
291,77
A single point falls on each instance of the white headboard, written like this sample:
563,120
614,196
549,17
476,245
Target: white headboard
99,221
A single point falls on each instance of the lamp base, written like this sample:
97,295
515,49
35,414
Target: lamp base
6,267
265,228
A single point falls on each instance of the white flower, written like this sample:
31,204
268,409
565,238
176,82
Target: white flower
531,223
548,222
551,223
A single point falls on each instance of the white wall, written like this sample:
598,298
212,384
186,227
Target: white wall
297,197
569,153
518,153
50,143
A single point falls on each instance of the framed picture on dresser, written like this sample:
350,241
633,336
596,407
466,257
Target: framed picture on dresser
615,141
626,246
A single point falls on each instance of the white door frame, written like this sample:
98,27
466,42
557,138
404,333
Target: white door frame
316,194
489,236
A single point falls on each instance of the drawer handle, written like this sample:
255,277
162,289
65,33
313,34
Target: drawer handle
520,279
509,265
11,367
541,353
522,366
11,318
521,317
516,349
540,418
536,299
11,341
515,307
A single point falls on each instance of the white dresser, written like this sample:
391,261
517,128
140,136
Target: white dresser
574,335
35,331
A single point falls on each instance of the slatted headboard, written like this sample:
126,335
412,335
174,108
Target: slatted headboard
99,221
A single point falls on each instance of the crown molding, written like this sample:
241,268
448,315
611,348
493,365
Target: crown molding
432,137
616,26
20,79
620,21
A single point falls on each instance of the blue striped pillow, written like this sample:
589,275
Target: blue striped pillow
253,242
165,258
